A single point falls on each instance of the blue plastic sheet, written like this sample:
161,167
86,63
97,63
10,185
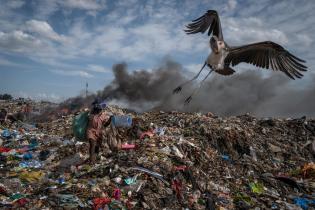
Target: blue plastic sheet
303,202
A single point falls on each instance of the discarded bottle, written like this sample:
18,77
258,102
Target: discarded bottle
122,121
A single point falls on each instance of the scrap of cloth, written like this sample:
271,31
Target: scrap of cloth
94,130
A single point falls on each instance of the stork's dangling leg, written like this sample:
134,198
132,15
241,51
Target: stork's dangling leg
179,88
196,89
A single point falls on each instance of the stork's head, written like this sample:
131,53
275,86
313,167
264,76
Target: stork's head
216,44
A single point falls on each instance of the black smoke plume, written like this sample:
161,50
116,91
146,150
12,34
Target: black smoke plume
244,92
247,92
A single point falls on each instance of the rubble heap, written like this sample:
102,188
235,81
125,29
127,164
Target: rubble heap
178,161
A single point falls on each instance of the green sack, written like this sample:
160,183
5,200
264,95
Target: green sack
79,125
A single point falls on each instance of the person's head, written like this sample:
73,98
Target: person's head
96,107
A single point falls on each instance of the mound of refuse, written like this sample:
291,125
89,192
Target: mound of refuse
167,160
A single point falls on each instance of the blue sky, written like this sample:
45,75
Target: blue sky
49,49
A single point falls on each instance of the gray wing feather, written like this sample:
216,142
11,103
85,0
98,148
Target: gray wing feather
268,55
210,20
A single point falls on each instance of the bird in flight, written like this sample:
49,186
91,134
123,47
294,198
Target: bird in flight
267,54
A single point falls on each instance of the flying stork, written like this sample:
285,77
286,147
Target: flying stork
267,54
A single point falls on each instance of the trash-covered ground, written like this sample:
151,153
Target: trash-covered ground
169,161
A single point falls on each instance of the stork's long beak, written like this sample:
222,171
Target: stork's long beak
214,45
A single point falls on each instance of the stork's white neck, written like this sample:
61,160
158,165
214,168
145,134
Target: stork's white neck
216,60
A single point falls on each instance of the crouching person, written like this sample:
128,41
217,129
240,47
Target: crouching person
97,121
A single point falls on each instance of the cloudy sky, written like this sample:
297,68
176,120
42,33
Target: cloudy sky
49,49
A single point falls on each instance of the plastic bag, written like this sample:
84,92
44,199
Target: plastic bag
80,123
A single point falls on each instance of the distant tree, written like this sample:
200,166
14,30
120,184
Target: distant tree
6,96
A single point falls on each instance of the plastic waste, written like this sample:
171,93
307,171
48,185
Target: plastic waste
303,202
123,121
257,188
154,174
180,168
17,196
28,127
33,144
166,150
61,180
116,204
117,194
31,176
6,133
30,164
43,155
225,157
177,152
27,156
160,131
128,146
21,202
253,153
69,200
4,149
131,180
177,186
79,125
243,199
99,203
118,180
308,170
146,134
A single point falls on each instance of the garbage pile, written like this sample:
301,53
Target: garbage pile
167,161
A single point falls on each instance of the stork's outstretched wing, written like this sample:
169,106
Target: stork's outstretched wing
209,19
267,55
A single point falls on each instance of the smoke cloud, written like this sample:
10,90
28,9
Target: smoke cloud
247,92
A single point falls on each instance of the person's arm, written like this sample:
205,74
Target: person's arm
107,123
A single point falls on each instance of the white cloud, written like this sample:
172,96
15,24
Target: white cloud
97,68
231,5
73,73
5,62
304,39
46,8
43,29
83,4
14,4
193,68
246,30
18,41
